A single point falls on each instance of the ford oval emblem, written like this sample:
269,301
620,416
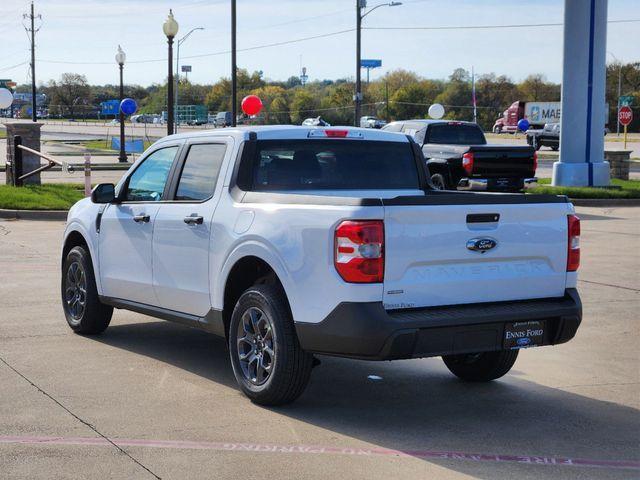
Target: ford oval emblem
523,342
481,245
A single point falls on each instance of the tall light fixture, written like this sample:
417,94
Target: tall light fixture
170,29
361,5
121,57
178,43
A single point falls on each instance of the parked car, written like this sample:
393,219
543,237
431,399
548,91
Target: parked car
315,122
224,119
549,136
458,157
295,241
371,122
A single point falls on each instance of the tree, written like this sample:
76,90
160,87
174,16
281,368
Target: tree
338,103
304,104
536,88
69,93
413,100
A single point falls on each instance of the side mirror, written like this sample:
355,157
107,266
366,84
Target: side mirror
103,193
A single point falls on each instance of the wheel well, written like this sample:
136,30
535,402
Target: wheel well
247,271
74,239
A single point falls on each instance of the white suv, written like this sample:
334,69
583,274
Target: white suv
295,241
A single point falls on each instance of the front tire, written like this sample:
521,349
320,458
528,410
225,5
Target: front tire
481,367
83,310
267,359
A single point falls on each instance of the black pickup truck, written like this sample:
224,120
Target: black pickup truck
458,157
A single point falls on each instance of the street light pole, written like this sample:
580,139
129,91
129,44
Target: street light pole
619,94
360,6
120,59
234,68
170,28
178,43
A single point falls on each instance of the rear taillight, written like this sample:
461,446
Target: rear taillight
467,163
359,251
535,162
573,245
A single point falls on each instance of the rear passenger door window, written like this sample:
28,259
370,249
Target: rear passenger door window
200,172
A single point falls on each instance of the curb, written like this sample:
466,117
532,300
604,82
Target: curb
605,202
34,214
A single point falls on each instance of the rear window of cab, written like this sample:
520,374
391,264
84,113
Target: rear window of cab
282,165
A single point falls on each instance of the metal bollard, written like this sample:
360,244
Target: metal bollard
87,174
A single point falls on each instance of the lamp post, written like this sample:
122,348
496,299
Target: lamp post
619,91
170,29
178,43
361,5
121,57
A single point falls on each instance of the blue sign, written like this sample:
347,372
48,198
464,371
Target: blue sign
369,63
130,146
110,107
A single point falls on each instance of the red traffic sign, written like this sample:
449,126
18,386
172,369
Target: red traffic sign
625,115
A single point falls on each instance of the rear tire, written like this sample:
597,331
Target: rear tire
268,362
438,181
481,367
83,310
497,130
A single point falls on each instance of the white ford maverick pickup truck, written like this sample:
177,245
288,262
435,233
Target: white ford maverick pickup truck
295,241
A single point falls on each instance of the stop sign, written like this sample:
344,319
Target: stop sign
625,115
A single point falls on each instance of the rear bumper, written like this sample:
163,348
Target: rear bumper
496,184
368,331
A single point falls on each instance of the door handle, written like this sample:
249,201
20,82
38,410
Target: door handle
141,218
193,219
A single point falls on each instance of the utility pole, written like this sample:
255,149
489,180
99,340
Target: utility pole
32,30
234,68
358,95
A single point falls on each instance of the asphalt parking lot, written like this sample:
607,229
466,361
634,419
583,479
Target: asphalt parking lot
149,399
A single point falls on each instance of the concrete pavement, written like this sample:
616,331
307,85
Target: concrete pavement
150,399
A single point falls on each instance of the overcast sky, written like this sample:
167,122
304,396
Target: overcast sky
86,34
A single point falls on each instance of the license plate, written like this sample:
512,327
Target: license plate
524,334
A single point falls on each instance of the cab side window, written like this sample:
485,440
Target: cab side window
200,172
147,183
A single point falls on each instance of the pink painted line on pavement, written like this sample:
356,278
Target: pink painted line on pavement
315,450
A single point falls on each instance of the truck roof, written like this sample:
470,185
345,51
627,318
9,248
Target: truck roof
276,132
427,121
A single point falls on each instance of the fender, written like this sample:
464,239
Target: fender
91,241
254,247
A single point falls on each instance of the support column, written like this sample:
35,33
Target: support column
581,160
30,133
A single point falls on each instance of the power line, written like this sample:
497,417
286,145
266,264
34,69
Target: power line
212,54
13,66
486,27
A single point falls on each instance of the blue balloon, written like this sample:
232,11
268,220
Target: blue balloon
128,106
523,124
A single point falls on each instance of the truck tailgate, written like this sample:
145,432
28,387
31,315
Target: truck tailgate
428,262
503,161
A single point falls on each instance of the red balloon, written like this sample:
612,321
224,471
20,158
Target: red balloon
251,104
